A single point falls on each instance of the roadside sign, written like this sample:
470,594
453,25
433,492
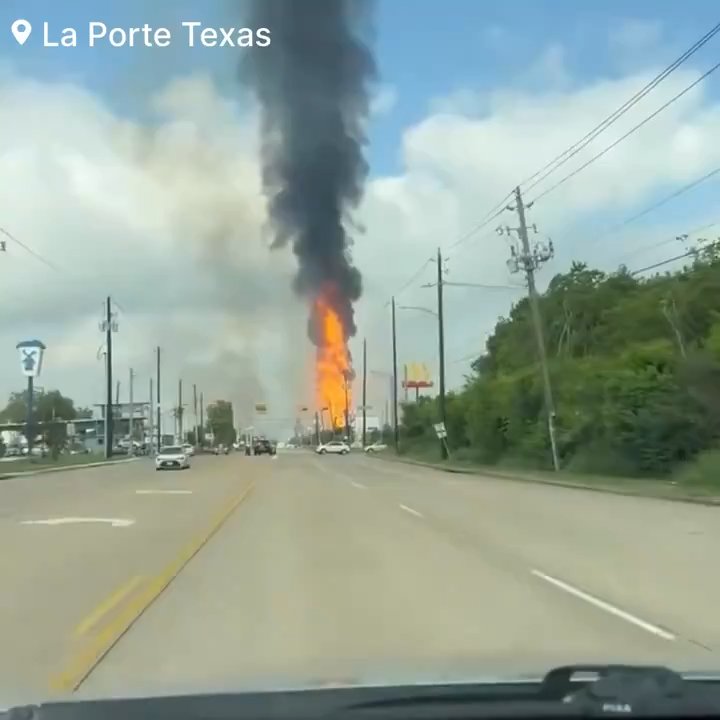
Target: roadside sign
31,356
261,408
440,430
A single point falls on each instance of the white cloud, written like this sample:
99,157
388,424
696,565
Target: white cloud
459,164
165,218
169,219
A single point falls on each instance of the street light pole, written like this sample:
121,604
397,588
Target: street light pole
396,432
441,350
159,432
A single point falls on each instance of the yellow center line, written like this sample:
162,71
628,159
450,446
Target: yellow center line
82,664
108,604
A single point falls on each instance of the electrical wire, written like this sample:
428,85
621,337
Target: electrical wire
689,253
570,152
29,250
625,136
673,239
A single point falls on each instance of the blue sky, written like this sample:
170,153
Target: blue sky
423,51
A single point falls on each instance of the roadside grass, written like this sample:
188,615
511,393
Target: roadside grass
697,480
45,463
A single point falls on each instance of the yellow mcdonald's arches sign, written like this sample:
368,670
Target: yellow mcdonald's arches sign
417,376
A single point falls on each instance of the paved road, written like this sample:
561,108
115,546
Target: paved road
339,568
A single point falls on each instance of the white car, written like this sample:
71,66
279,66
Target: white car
172,457
376,447
189,449
334,446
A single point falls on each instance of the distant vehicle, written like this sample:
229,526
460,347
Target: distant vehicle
338,447
172,457
189,449
375,447
13,451
263,447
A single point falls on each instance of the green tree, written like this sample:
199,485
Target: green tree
635,369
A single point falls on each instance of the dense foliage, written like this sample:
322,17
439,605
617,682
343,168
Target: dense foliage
635,370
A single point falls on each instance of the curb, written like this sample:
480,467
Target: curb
710,502
64,468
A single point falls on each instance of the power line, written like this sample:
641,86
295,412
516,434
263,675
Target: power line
667,199
493,213
673,239
29,250
692,252
625,136
656,205
570,152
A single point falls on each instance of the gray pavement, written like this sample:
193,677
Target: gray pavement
56,578
337,568
349,568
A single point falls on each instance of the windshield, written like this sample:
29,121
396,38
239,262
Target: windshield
367,341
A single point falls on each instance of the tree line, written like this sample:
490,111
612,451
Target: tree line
635,370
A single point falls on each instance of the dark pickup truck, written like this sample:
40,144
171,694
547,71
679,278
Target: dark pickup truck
263,447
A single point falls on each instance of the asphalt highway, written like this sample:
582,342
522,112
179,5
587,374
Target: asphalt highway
247,572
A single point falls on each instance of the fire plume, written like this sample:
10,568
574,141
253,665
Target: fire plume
333,366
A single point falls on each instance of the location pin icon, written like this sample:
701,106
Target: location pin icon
21,30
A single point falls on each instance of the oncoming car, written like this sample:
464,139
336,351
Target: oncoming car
172,457
338,447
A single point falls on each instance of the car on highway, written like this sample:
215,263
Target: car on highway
263,447
172,457
375,447
189,449
336,447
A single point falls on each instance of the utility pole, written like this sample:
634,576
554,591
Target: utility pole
108,325
132,410
364,394
396,431
202,420
150,432
317,429
180,412
441,351
347,409
157,381
195,414
528,260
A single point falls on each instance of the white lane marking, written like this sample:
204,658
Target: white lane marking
607,607
411,511
358,485
163,492
115,522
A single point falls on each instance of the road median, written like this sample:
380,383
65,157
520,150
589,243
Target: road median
634,487
43,470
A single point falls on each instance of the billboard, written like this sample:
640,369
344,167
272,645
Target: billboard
416,376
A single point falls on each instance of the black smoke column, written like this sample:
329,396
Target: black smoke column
312,85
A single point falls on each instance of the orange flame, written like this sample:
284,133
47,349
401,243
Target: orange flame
332,364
